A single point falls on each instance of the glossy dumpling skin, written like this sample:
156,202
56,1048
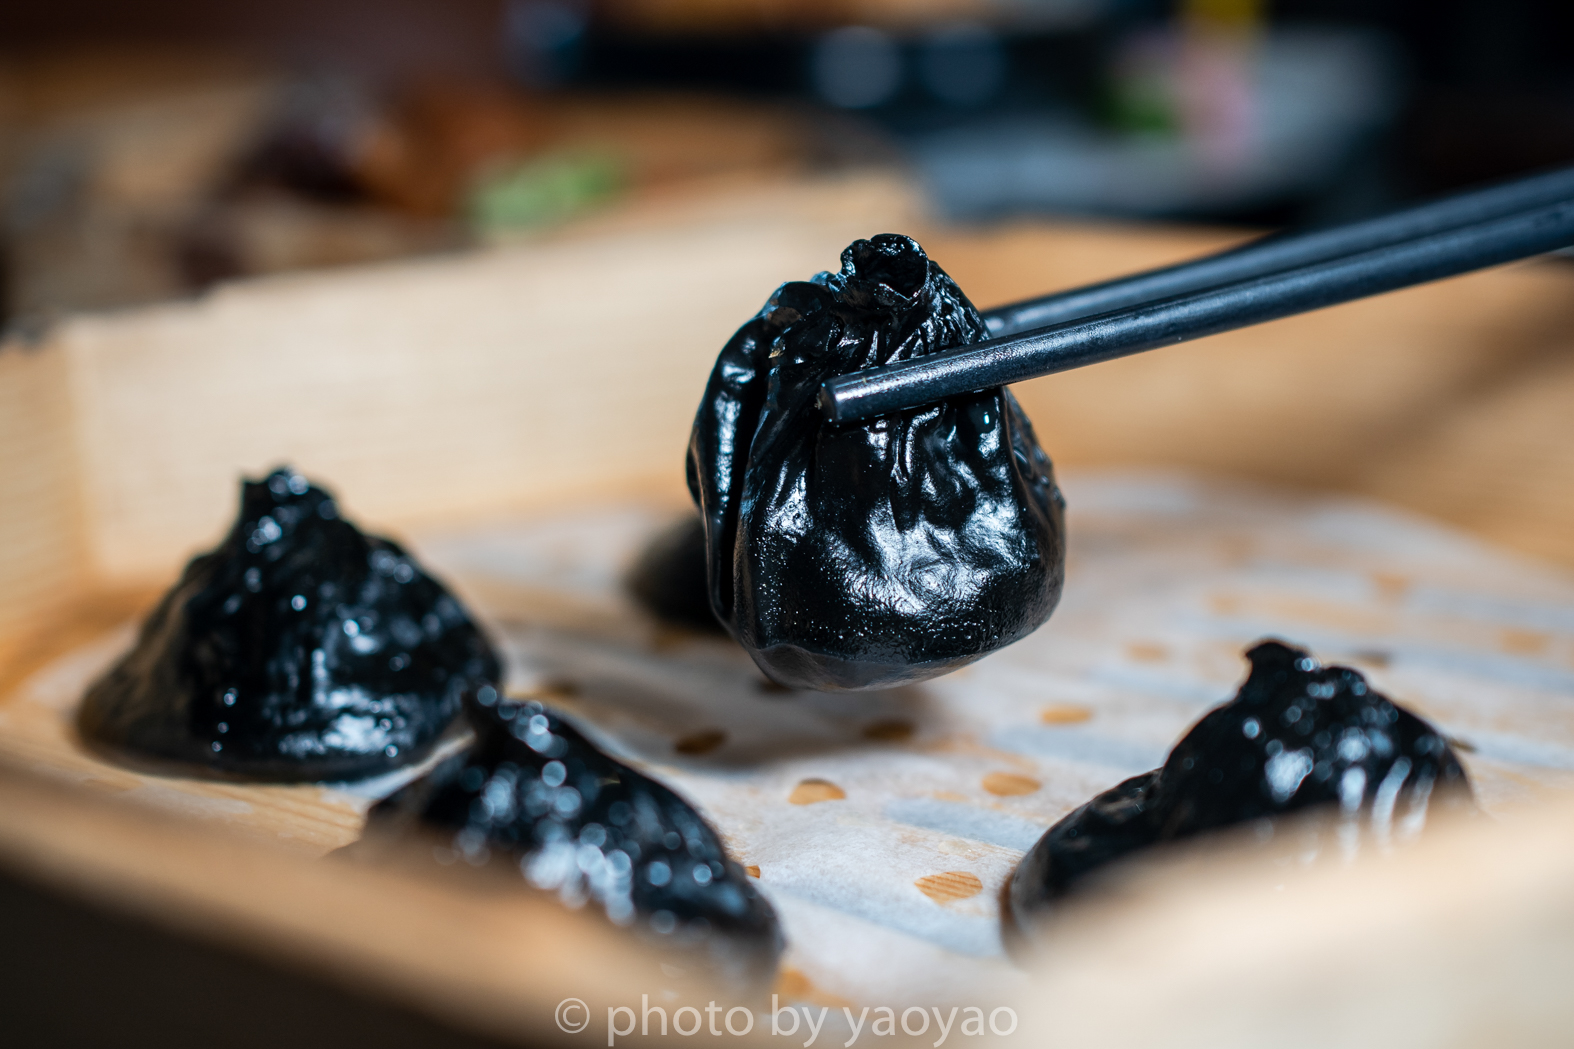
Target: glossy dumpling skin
536,794
868,555
1297,736
299,649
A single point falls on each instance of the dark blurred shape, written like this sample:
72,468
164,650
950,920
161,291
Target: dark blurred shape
1216,132
77,974
104,156
856,67
299,195
134,175
1454,137
669,580
962,64
151,147
544,39
5,286
1489,93
736,18
1302,111
381,39
309,149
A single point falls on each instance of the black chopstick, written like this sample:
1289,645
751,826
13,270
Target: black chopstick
1045,351
1278,252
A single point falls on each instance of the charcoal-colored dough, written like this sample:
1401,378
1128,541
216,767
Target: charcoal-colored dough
299,649
1297,736
668,577
870,554
534,793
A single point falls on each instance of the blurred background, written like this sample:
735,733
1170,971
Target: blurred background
150,148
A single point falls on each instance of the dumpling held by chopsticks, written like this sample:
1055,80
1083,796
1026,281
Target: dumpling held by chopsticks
872,554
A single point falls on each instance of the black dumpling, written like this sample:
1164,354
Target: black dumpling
574,821
1297,736
868,555
668,577
299,649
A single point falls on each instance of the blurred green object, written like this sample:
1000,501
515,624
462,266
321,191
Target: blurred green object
544,190
1141,107
1140,93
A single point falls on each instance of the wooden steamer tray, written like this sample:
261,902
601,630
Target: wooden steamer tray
519,415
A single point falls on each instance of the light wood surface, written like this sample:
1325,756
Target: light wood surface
42,527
